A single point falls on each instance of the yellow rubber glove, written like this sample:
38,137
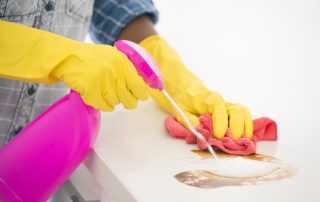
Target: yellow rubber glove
100,73
192,96
240,120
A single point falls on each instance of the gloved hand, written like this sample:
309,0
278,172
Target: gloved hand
192,96
240,121
101,74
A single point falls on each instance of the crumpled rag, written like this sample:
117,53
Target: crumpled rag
264,129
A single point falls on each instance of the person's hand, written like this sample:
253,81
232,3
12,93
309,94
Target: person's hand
101,74
192,96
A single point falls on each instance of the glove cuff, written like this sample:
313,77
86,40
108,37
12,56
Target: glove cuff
145,42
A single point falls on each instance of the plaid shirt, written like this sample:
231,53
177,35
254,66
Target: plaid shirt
21,102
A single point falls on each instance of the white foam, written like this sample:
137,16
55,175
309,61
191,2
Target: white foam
237,167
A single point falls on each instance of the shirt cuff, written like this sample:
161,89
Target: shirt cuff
110,17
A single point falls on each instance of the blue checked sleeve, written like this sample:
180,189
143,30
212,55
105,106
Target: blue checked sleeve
111,16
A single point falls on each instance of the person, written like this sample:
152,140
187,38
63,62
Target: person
47,49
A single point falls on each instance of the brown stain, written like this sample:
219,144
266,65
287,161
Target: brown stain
258,157
206,179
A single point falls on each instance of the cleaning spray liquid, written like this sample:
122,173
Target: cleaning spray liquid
148,69
191,128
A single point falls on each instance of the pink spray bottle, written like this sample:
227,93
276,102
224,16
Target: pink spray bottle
44,154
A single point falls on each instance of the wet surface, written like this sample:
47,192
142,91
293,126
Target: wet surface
207,179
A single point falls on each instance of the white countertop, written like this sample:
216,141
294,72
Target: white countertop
264,54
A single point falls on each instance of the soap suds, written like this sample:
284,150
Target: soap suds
237,167
249,170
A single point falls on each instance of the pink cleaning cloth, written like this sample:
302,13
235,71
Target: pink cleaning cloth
264,129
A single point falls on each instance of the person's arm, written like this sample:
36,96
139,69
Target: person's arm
192,96
101,74
139,29
135,23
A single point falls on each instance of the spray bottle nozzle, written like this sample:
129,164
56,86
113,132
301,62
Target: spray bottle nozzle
145,65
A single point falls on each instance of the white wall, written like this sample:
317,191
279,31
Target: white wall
259,53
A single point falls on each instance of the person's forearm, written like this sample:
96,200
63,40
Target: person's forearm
139,29
30,54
